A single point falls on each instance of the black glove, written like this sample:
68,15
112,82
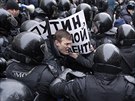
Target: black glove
61,77
75,74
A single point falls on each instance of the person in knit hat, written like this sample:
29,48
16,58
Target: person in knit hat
12,7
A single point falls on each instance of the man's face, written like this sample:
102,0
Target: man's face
95,27
64,45
131,12
14,12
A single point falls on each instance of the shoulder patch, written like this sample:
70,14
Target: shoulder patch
130,79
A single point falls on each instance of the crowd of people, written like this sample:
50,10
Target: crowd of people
36,69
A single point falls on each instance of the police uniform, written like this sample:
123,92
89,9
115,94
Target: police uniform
38,78
106,84
96,88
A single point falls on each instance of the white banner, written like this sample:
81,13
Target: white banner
75,24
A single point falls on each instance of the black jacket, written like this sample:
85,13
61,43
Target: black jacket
128,59
126,16
52,57
83,62
97,87
37,78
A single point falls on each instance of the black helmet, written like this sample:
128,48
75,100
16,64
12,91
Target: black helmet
125,35
131,5
40,15
64,5
102,5
26,25
48,6
103,22
27,44
95,10
87,10
7,21
13,90
90,2
108,57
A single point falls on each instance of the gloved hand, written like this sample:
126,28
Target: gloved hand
64,74
61,77
76,74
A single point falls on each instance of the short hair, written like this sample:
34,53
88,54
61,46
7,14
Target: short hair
62,33
12,4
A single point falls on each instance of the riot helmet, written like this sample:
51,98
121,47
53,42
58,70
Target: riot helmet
102,22
125,35
95,10
26,25
13,90
102,5
40,15
87,10
64,5
26,46
7,21
131,5
90,2
48,6
107,59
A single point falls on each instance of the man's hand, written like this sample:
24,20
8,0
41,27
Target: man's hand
61,77
64,74
74,55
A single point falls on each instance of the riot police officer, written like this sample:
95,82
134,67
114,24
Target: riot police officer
87,13
101,24
47,8
126,42
7,32
63,8
106,83
26,65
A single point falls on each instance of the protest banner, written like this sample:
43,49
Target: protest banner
75,24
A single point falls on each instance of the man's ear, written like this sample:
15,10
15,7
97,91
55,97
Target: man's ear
56,42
